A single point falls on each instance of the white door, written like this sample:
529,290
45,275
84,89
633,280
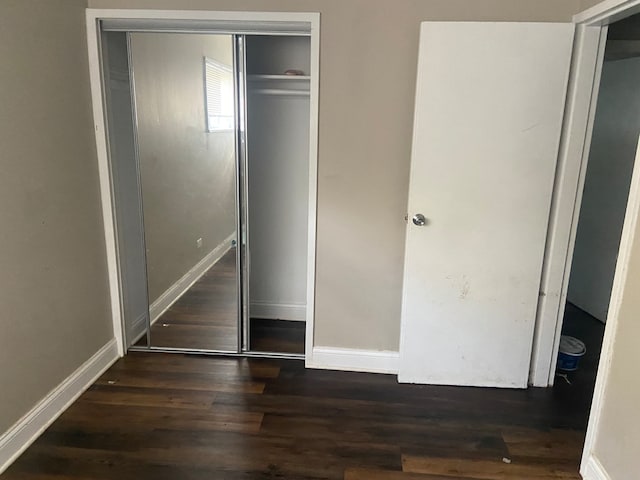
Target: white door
489,108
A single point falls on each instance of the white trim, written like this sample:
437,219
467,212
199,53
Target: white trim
594,470
582,165
566,200
203,15
617,294
314,89
95,68
18,438
175,291
353,360
104,173
279,311
607,12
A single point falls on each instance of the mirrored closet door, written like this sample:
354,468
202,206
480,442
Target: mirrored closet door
183,88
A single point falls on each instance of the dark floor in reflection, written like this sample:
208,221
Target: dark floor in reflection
205,318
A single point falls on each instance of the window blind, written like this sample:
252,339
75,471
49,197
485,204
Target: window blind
219,96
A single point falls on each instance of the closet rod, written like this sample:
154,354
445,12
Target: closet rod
280,91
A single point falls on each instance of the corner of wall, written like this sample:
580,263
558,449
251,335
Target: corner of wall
24,432
592,469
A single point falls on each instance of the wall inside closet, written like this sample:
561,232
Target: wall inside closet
278,174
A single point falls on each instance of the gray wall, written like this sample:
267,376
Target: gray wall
188,185
278,161
53,286
368,60
604,201
584,4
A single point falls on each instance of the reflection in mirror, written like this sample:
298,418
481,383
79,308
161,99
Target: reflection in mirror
124,173
184,101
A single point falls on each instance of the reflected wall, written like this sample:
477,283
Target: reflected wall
187,176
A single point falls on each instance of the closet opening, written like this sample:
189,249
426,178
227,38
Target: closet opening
210,146
278,190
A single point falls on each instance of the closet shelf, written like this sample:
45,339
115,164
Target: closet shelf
288,85
268,77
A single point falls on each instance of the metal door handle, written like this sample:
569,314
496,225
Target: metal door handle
419,220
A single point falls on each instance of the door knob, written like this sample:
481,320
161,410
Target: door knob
419,220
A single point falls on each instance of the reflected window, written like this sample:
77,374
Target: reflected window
219,93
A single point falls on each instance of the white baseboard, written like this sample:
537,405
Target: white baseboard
30,427
593,470
278,311
372,361
173,293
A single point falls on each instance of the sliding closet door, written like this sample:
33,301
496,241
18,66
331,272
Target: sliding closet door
186,117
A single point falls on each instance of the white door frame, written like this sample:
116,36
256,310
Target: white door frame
201,19
588,50
582,95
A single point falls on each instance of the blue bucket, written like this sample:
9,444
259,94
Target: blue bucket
570,353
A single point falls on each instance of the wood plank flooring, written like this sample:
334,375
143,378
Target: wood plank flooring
206,318
282,336
162,416
165,417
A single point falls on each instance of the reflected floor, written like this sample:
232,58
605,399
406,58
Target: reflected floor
205,318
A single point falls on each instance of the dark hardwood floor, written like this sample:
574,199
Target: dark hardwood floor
282,336
170,416
162,416
206,317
